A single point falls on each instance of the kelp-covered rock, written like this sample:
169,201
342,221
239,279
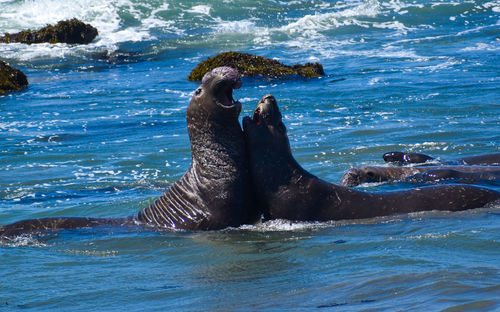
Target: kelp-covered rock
253,65
71,31
11,79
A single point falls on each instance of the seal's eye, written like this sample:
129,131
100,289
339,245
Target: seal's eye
197,91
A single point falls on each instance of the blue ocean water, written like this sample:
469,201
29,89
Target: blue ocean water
101,132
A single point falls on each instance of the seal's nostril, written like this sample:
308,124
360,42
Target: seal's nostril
227,73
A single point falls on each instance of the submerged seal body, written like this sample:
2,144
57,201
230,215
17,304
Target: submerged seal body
61,223
402,158
214,193
474,169
286,191
461,174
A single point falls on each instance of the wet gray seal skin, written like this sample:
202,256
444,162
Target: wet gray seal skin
491,175
287,191
461,174
55,224
406,158
215,191
402,158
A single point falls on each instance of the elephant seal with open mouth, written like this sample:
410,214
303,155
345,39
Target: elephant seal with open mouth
215,191
286,191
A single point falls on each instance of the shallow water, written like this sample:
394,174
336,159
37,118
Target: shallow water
101,132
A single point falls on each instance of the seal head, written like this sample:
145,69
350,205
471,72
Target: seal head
214,97
266,128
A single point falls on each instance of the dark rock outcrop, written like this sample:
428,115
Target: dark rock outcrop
71,31
253,65
11,79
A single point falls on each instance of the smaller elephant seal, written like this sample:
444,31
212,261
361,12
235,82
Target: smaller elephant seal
460,174
287,191
216,190
402,158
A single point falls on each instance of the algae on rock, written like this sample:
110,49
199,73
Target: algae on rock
70,31
11,79
253,65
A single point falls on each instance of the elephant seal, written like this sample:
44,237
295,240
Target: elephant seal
462,174
214,193
402,158
406,158
481,168
491,175
287,191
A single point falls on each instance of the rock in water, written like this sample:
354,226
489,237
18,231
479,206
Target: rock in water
11,79
253,65
71,31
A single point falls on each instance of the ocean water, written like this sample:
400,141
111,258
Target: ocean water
101,132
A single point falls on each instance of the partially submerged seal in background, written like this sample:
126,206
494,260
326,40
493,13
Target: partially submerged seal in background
402,158
214,193
287,191
472,169
417,174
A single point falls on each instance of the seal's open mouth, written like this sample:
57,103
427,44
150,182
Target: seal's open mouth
265,110
225,95
256,116
227,79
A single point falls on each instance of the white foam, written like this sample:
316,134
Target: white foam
305,31
311,25
200,9
400,7
449,63
494,5
394,25
154,21
21,241
481,46
281,225
181,94
104,15
241,27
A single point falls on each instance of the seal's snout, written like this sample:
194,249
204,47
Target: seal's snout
226,73
231,74
350,178
268,97
256,116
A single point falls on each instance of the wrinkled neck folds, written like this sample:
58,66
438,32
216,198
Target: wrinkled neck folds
217,148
